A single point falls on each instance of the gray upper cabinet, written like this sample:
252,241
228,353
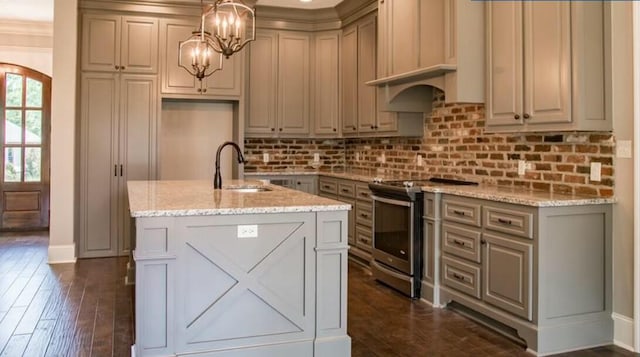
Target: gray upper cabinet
178,82
349,82
326,113
545,68
279,84
114,43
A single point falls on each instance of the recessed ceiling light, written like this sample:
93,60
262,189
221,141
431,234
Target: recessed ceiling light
306,0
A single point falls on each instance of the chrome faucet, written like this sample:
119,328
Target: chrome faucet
217,178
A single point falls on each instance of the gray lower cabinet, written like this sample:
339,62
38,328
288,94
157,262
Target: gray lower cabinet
304,183
360,219
544,272
118,114
281,293
430,290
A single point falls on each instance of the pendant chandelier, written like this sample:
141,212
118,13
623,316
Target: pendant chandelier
226,26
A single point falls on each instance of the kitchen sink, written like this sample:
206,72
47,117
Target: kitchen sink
247,189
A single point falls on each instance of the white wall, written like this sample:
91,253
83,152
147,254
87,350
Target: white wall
28,44
64,200
190,133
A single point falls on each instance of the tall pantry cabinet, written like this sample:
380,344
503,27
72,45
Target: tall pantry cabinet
118,115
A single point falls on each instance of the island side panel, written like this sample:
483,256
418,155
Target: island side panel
155,258
331,251
246,284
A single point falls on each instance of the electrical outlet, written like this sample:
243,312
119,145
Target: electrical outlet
596,171
248,231
383,158
316,157
419,161
521,167
265,157
357,156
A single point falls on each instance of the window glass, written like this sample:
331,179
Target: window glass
12,164
13,127
34,93
33,125
32,164
14,90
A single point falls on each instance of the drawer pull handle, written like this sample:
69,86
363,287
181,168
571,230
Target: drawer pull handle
459,213
327,187
458,242
364,215
504,221
345,190
459,277
403,252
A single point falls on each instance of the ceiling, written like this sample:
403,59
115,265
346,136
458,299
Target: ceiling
27,10
42,10
314,4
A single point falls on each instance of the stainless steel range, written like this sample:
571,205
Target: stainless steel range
397,231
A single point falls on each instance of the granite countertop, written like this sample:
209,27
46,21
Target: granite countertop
506,194
520,196
198,198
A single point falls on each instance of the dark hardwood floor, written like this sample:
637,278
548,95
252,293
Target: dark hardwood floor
84,309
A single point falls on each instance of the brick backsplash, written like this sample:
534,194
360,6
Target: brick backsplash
293,154
455,145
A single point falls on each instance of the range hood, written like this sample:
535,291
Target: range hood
411,91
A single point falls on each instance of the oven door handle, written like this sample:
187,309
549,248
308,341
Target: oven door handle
391,202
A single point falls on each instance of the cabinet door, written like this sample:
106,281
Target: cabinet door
507,265
429,251
139,52
349,68
404,40
101,42
547,62
293,83
228,81
98,171
176,80
367,108
326,83
263,69
138,118
307,184
352,220
504,63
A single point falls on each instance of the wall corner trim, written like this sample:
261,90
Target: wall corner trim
59,254
622,331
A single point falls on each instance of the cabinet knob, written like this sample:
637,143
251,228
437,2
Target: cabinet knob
280,129
199,90
526,116
273,129
299,183
334,129
123,67
204,90
483,242
516,117
372,127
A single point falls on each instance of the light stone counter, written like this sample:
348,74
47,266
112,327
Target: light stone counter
505,194
520,196
198,198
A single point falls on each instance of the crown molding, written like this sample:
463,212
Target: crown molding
26,28
352,10
282,18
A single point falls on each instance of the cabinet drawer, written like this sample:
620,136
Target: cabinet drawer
346,189
463,212
364,214
328,186
430,207
461,241
508,221
461,276
363,238
362,192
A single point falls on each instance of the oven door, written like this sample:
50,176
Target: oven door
393,232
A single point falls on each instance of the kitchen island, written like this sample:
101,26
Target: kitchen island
233,273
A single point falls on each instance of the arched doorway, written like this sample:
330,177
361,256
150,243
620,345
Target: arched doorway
25,119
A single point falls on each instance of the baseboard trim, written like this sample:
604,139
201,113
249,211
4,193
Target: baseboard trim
59,254
623,331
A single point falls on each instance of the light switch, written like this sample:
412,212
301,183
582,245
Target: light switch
419,160
265,157
316,157
596,168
